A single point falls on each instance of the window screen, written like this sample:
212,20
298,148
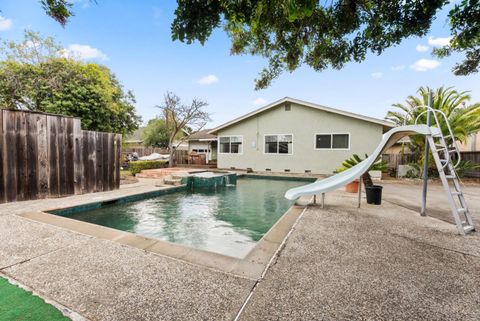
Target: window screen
323,141
340,141
278,144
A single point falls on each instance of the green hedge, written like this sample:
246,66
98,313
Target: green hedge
137,166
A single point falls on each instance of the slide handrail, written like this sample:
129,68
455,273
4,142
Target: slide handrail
437,123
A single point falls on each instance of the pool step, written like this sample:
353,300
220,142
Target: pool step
172,181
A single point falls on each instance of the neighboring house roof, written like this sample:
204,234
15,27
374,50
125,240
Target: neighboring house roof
203,134
386,124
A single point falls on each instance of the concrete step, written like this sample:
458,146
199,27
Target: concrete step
172,181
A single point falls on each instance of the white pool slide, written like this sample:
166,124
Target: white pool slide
341,179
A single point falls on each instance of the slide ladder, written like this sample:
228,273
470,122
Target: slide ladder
443,147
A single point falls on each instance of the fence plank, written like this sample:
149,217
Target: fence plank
42,156
2,178
105,186
69,156
62,166
10,154
32,156
111,160
92,169
79,182
21,159
118,152
99,161
53,157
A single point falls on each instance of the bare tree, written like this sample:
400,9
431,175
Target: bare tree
179,116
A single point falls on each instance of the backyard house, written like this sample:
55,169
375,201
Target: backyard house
204,145
295,136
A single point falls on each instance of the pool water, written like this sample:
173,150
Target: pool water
229,220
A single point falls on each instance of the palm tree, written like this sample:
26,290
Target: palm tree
464,119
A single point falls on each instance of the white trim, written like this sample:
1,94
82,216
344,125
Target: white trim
218,145
275,154
331,141
307,104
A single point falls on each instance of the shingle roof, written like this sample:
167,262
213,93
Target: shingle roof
202,135
384,123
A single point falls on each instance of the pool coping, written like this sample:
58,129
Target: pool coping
251,266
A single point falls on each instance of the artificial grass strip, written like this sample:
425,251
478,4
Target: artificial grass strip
16,304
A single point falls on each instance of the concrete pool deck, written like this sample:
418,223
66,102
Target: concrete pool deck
338,263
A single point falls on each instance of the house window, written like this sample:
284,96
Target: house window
231,144
278,144
332,141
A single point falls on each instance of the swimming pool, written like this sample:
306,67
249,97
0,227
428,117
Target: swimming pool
228,220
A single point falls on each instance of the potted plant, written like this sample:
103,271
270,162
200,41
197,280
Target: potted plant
374,192
352,187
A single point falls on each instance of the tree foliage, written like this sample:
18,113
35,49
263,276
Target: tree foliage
155,133
59,10
321,34
465,29
290,33
33,49
464,118
34,76
179,116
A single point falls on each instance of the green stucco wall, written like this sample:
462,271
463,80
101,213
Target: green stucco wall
303,122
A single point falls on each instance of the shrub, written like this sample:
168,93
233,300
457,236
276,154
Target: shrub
466,166
137,166
378,165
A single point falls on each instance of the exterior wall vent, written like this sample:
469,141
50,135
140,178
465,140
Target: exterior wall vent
308,171
249,170
232,167
287,170
268,169
288,107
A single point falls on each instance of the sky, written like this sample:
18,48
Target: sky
133,39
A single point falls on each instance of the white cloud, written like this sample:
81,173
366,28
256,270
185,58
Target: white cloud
157,12
425,64
5,23
377,75
438,42
397,68
422,48
259,101
85,52
208,80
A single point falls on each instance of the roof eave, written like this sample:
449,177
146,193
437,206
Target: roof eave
385,124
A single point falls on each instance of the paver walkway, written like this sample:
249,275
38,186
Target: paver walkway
339,263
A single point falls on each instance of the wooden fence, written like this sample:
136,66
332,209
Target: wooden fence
43,155
473,157
393,160
181,156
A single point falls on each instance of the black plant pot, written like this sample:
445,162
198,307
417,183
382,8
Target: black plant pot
374,194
